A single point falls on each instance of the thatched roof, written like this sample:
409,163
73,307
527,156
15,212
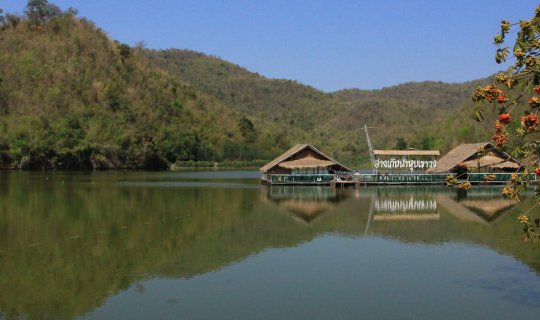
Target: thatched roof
406,152
465,153
307,162
506,165
491,161
287,160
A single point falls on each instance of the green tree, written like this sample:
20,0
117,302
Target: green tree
72,11
247,129
516,129
401,144
125,50
12,20
41,11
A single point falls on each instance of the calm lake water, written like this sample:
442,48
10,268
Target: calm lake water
217,245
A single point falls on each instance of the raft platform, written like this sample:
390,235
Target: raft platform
356,180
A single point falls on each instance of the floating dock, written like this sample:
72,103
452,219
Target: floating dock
356,180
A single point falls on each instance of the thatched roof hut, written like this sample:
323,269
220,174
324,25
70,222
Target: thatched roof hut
301,157
482,156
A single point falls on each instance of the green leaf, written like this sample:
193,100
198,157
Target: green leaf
504,53
501,55
478,115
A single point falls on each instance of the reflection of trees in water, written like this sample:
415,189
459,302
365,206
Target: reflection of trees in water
62,258
108,236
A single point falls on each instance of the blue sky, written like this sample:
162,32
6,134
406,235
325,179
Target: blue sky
329,45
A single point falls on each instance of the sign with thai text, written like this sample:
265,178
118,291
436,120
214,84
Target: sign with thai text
405,164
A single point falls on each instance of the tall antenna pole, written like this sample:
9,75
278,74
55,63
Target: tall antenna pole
371,155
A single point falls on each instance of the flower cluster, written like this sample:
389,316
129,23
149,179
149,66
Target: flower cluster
465,185
530,122
490,93
501,135
489,177
524,218
534,102
501,77
509,192
504,118
519,54
451,180
530,228
505,26
531,62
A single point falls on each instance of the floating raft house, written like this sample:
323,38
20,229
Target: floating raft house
482,162
303,164
481,157
476,161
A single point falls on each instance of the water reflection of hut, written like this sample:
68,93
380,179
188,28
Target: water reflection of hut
305,203
481,209
476,157
488,209
303,164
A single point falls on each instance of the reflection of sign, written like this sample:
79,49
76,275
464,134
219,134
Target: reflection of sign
402,205
410,164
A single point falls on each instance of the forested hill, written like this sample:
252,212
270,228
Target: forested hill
72,98
420,114
438,95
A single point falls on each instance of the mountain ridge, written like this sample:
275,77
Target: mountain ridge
341,110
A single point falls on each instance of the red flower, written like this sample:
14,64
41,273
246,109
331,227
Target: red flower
501,99
534,102
537,89
530,122
537,171
500,140
505,118
501,135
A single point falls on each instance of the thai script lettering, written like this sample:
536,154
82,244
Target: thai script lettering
401,163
